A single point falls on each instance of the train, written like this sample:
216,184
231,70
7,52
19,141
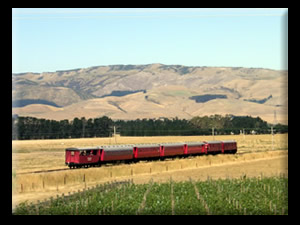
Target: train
96,156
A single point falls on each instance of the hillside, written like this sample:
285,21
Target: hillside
151,91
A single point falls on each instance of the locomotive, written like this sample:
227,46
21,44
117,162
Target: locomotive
95,156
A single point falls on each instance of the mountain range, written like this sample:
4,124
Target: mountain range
152,91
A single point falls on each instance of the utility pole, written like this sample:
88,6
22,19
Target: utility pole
115,134
272,130
83,126
213,133
272,133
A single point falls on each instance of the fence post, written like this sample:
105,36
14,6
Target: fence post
37,209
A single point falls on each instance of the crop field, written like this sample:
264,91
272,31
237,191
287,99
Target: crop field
243,196
29,155
260,157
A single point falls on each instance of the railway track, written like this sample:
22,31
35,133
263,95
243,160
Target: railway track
109,165
43,171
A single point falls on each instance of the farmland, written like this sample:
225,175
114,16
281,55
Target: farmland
243,196
260,158
29,155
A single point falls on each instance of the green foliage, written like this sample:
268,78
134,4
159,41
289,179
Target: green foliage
254,196
33,128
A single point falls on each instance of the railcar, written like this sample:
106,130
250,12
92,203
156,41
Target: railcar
82,157
172,149
95,156
146,151
116,153
193,148
214,147
229,146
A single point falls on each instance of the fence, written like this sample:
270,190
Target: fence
75,194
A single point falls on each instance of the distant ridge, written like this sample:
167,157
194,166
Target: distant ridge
152,90
24,102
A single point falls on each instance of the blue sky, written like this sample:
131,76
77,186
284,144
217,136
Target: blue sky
47,40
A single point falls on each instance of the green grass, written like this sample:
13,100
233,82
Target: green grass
254,196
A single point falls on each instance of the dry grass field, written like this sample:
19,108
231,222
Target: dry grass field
261,157
32,155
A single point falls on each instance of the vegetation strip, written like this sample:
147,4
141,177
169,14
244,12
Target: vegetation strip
200,198
142,206
26,128
251,196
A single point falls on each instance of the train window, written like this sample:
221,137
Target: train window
72,153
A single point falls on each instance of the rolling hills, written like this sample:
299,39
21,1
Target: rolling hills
151,91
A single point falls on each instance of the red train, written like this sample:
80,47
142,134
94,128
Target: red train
95,156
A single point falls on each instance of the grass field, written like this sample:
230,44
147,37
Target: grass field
40,155
245,196
29,155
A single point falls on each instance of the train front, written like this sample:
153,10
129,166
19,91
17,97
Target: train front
72,157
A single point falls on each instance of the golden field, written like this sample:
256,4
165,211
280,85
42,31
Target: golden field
33,155
38,155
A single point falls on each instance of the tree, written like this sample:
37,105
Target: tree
76,129
64,128
102,126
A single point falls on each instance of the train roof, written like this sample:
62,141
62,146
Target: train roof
214,142
82,149
117,147
229,141
172,144
146,145
194,143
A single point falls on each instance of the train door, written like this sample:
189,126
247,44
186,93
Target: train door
222,147
185,149
205,148
135,152
162,151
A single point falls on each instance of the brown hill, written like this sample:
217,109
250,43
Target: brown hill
153,91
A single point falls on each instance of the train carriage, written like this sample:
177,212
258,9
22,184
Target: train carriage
214,147
195,148
116,152
92,156
78,157
172,149
229,146
146,151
